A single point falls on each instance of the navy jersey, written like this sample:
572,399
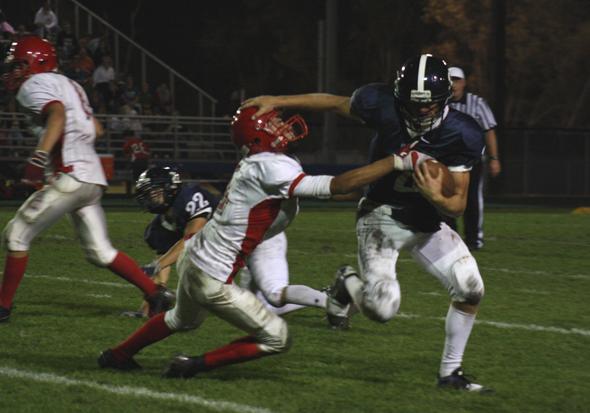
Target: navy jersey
457,143
166,229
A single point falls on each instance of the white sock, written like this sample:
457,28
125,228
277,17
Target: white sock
287,308
354,286
304,295
457,328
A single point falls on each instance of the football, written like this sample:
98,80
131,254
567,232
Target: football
435,168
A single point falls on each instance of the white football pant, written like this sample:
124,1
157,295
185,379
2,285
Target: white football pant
442,253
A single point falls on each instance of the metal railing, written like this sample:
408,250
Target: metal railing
536,162
192,96
170,138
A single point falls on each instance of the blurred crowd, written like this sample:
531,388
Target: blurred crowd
88,59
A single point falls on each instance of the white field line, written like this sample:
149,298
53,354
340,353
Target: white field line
141,392
494,269
81,280
512,326
527,327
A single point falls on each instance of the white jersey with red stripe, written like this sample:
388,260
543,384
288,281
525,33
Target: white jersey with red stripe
75,153
258,204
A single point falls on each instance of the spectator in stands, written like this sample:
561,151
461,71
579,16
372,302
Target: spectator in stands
138,154
46,21
102,78
5,27
67,44
100,47
21,31
15,130
130,94
164,99
82,66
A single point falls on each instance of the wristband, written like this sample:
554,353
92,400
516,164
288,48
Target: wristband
40,158
494,158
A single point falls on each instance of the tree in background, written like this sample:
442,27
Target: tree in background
546,55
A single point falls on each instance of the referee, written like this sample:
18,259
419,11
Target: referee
476,107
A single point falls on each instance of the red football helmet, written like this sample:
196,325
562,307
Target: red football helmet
28,56
267,133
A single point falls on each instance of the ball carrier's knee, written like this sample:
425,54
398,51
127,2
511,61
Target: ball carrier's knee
466,282
381,299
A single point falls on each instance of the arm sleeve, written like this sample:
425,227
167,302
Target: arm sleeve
312,187
280,175
364,104
37,93
486,116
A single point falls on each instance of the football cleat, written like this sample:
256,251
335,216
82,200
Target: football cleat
339,300
458,381
107,360
184,367
162,300
5,314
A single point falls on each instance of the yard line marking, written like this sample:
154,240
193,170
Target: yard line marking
514,326
536,272
142,392
81,280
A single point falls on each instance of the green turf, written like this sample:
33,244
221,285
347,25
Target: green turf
535,264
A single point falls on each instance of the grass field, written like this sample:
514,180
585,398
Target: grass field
531,343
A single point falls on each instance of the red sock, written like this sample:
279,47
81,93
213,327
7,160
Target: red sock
154,330
238,351
128,269
14,269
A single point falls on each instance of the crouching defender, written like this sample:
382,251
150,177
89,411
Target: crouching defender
260,201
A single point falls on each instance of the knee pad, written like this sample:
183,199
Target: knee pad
274,337
381,300
275,298
466,282
101,257
11,236
176,323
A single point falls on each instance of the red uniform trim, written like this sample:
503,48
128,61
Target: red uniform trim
260,219
295,183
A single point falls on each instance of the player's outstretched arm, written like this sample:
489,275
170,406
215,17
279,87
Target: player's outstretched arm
431,188
171,256
359,177
318,102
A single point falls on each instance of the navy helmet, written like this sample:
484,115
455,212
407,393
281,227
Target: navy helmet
422,89
157,187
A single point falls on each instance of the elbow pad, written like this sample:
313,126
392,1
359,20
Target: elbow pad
314,187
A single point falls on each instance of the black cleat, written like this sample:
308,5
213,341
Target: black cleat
107,360
458,381
162,300
184,367
339,300
5,314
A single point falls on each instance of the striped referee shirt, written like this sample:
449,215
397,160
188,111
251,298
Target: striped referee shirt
476,107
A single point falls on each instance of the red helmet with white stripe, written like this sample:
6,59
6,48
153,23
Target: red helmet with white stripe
28,56
267,133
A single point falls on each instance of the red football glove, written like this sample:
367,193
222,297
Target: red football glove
35,169
407,159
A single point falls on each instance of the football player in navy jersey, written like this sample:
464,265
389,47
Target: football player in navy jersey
403,210
182,210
